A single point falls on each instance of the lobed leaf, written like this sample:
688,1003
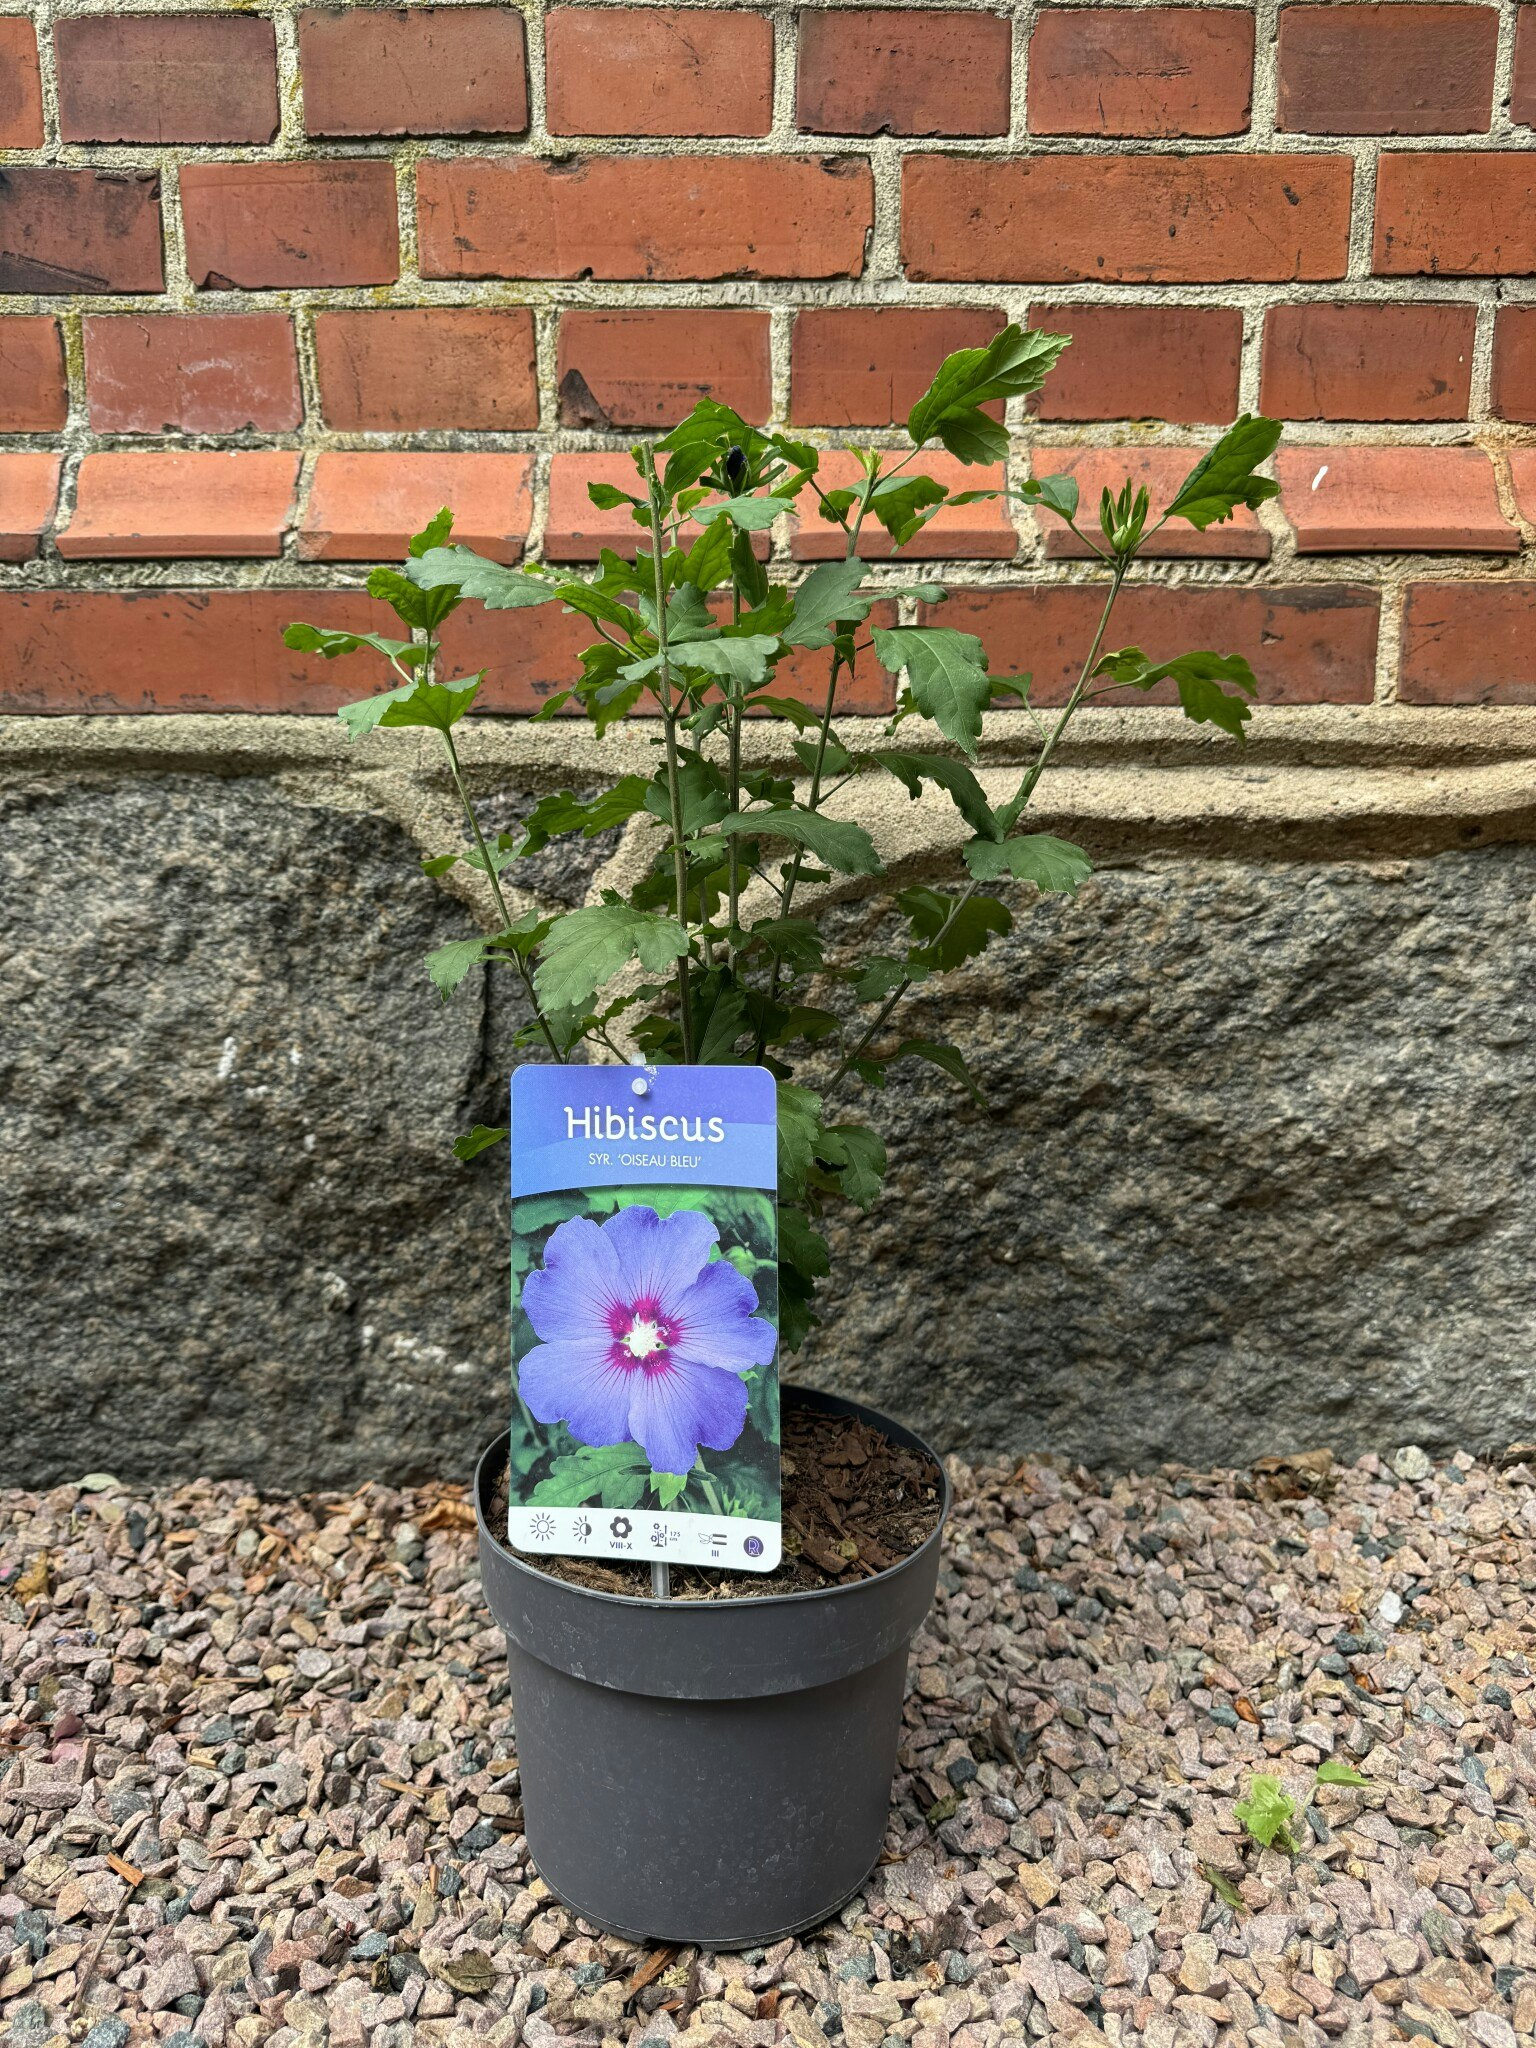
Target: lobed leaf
1224,476
946,673
1013,363
586,948
845,847
1053,865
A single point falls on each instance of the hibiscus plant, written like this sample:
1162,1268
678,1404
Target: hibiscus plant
717,954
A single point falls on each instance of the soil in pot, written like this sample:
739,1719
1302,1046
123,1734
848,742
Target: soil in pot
855,1503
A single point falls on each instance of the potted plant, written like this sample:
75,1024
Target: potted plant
718,1770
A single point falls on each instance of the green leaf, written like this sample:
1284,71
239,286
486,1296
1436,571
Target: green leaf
825,599
479,1140
900,503
743,658
947,674
554,815
913,770
1197,678
752,514
1333,1772
703,795
433,535
1224,1888
498,588
668,1485
947,1058
439,864
586,948
1267,1812
843,846
449,964
858,1155
799,1128
880,975
1053,865
608,497
322,640
438,705
800,716
971,926
582,1475
415,607
1224,476
1057,493
804,1248
1013,362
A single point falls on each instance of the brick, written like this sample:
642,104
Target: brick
291,224
645,217
1461,213
658,71
576,529
166,77
896,71
133,504
29,488
1522,99
1522,475
1411,362
979,532
413,71
1308,645
644,369
1126,219
527,656
66,231
365,507
1161,470
413,370
21,91
1514,364
1468,643
1176,363
1147,71
867,366
1399,69
199,373
34,396
1378,500
174,650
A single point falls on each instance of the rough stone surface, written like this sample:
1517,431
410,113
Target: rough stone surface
227,1105
1255,1170
1254,1173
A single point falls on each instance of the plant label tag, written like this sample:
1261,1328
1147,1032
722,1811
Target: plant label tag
645,1246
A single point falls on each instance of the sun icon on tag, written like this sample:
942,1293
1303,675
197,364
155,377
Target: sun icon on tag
542,1527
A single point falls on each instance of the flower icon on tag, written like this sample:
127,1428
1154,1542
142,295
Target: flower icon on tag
619,1526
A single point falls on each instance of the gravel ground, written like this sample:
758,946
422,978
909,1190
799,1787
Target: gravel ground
258,1779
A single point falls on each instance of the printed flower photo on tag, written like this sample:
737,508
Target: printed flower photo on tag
645,1421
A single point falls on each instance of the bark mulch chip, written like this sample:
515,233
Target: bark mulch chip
259,1783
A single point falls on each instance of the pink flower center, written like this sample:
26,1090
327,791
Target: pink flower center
642,1337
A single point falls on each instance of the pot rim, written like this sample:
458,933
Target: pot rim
630,1603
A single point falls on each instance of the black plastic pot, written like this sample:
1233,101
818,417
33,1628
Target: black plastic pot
707,1772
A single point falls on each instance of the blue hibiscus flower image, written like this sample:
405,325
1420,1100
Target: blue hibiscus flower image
644,1338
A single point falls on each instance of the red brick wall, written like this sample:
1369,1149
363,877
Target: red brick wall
275,283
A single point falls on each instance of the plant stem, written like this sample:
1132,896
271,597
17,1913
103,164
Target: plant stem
501,902
793,877
733,729
1025,791
669,725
